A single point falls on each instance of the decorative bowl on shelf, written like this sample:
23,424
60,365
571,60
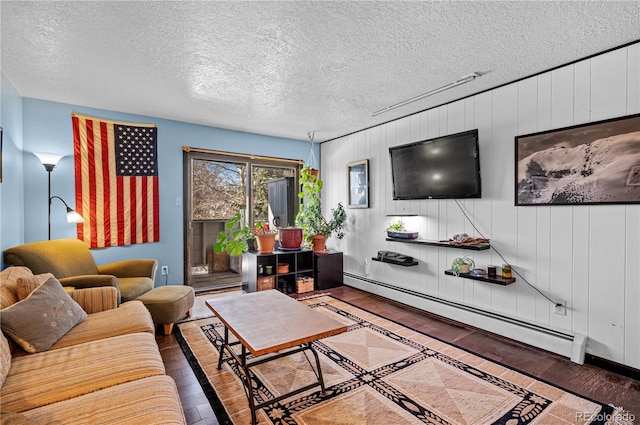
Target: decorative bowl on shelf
478,272
283,268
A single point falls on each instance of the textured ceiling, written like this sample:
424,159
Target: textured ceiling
286,68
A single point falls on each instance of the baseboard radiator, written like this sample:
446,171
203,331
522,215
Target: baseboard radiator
556,341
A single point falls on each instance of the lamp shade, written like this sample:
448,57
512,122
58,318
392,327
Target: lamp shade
50,159
73,216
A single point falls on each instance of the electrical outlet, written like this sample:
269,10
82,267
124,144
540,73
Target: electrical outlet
164,270
561,308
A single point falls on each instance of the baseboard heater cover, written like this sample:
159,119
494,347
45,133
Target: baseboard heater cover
565,344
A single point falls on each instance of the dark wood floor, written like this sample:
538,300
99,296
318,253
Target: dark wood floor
587,380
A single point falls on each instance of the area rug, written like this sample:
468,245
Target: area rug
380,372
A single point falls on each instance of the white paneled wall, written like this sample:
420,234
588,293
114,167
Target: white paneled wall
586,256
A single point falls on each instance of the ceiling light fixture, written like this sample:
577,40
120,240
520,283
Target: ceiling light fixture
459,81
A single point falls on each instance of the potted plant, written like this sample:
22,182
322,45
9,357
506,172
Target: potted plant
235,242
462,265
315,227
396,229
265,237
395,226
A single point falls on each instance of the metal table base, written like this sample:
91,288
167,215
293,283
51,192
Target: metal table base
246,365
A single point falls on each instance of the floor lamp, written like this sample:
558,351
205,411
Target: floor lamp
49,160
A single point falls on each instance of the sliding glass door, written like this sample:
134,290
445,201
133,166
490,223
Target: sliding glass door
216,187
218,192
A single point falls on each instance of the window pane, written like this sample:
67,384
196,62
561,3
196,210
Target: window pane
219,189
260,192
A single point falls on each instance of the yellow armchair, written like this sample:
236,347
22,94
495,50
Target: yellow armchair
71,262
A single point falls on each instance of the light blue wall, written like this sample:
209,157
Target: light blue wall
11,188
47,128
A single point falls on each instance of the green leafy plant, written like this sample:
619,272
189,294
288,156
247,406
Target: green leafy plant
234,239
310,216
395,226
459,263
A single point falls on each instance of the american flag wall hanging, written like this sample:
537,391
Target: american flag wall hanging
116,177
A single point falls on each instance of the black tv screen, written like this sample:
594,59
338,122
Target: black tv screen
440,168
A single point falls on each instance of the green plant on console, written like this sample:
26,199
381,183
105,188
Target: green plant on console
234,242
310,216
462,265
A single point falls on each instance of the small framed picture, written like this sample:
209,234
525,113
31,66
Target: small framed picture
358,184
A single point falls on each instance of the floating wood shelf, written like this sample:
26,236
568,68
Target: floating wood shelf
498,280
478,247
414,263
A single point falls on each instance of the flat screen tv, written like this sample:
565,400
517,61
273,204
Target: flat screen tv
440,168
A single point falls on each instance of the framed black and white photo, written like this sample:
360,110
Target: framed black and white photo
358,184
595,163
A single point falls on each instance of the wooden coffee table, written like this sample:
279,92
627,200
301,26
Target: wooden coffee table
269,322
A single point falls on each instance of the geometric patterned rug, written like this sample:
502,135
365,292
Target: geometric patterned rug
381,372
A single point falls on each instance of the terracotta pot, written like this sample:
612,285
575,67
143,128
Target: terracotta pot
314,172
266,242
290,237
319,242
283,268
465,268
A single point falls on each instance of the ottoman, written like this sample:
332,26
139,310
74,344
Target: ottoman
167,304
